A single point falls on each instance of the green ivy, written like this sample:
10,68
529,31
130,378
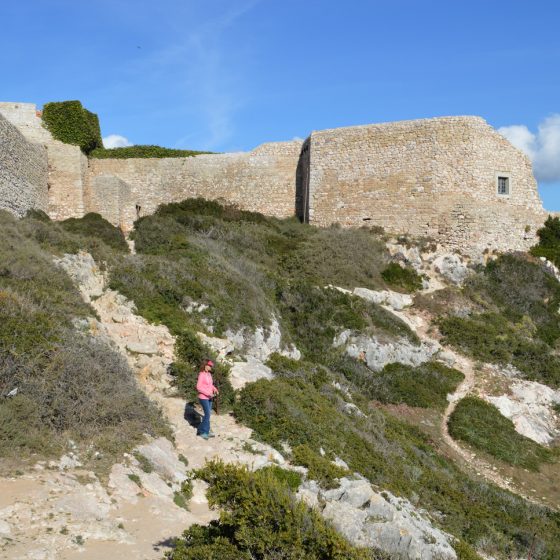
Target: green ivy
141,151
71,123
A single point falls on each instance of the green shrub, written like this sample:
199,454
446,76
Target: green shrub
549,241
481,425
342,257
71,123
260,519
141,151
291,478
490,337
398,457
319,468
424,386
401,278
94,226
70,384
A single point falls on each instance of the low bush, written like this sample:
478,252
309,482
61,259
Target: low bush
291,478
319,468
549,241
141,151
71,123
69,384
260,519
92,225
398,457
425,386
481,425
341,257
402,279
490,337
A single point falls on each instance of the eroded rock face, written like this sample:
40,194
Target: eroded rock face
250,371
452,268
163,458
84,272
370,518
391,299
262,342
530,407
377,354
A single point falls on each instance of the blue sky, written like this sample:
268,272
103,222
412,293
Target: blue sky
229,75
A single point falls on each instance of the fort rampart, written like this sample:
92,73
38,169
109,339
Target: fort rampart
436,177
454,179
262,181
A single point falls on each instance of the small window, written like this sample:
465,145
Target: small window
503,185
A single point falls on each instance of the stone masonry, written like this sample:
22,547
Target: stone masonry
434,177
23,172
262,180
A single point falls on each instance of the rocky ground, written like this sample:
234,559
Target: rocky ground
59,510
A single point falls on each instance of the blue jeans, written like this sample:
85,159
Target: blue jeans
204,427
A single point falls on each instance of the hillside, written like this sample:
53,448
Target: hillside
396,389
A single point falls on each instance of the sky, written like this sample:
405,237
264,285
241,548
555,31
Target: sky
228,75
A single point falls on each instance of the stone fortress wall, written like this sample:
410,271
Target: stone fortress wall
433,177
261,181
67,167
23,172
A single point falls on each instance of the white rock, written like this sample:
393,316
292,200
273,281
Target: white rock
263,342
121,485
347,520
530,408
5,529
83,270
378,354
222,346
250,371
392,299
155,485
146,346
164,459
452,268
69,461
83,506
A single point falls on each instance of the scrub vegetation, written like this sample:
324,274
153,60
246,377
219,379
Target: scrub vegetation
204,267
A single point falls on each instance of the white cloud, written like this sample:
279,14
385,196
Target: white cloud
116,141
542,147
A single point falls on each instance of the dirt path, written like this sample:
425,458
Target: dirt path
420,324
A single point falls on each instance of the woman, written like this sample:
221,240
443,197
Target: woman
206,390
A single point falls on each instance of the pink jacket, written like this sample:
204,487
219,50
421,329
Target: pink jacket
205,386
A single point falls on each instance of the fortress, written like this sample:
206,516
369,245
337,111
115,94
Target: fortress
454,179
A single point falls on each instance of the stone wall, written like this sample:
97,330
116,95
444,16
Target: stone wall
67,165
262,180
23,172
433,177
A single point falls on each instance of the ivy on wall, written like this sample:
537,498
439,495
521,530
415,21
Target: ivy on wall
141,151
71,123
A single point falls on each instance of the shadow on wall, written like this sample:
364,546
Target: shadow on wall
302,182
